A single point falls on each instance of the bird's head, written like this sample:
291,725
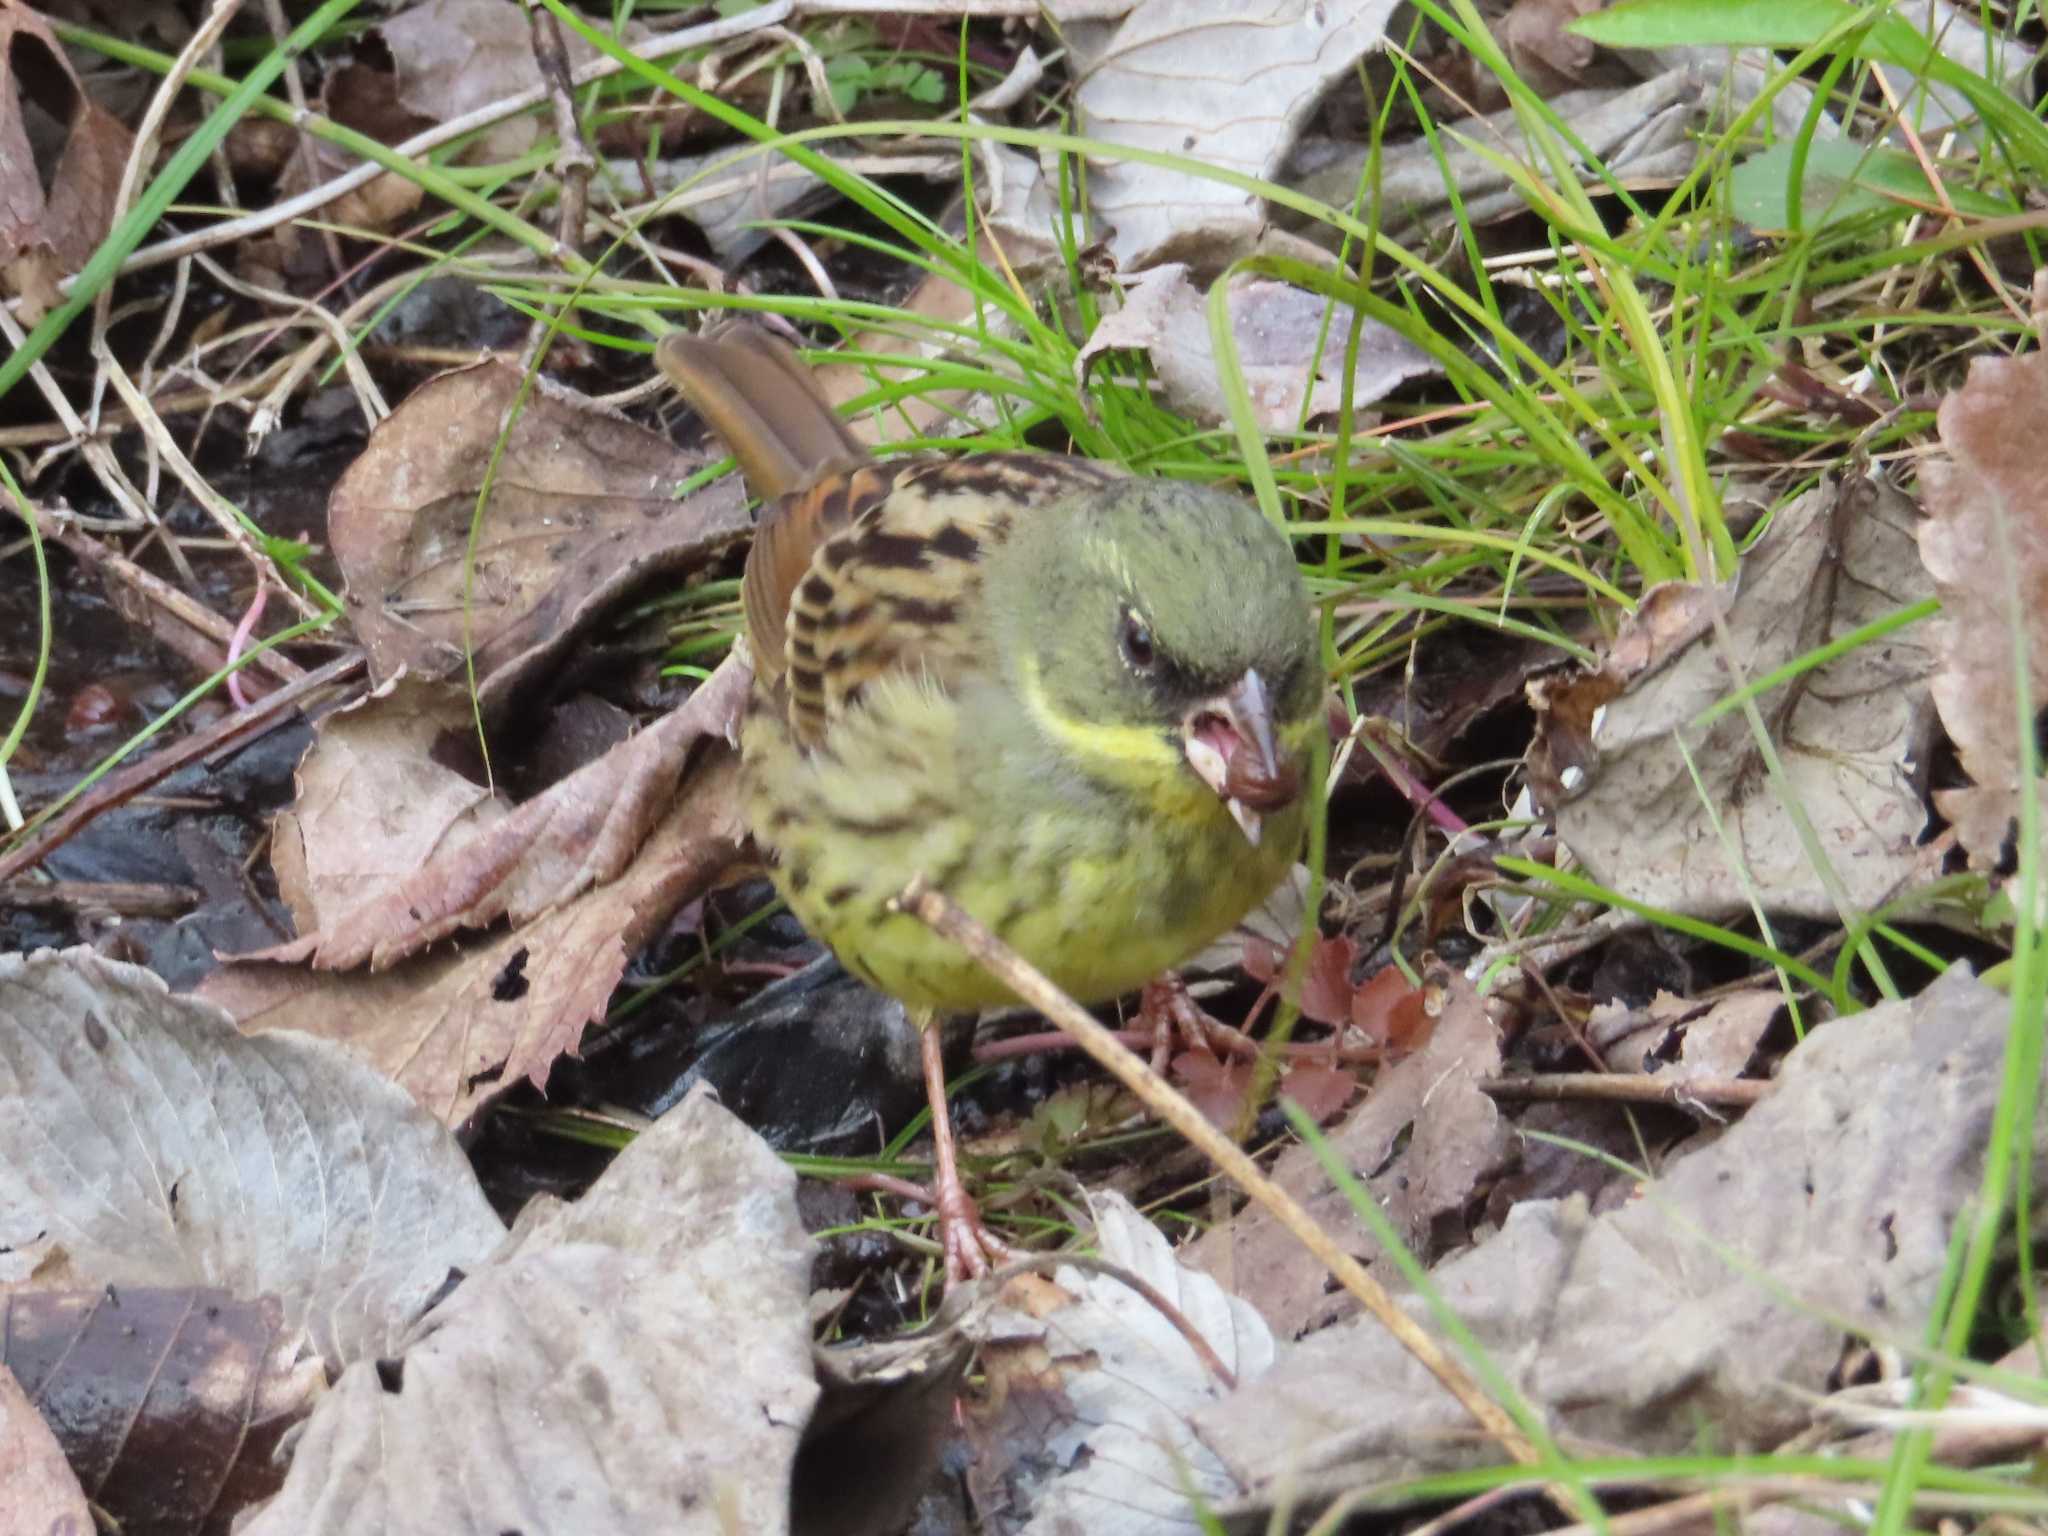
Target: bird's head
1158,630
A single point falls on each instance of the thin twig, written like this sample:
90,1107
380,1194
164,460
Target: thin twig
944,916
228,231
1629,1088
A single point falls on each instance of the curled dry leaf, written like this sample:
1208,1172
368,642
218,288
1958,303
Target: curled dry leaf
41,1490
582,510
375,802
1616,748
1985,543
459,1028
454,56
148,1143
1681,1039
1218,82
1290,344
577,834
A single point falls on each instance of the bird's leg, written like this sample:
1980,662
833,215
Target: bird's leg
971,1249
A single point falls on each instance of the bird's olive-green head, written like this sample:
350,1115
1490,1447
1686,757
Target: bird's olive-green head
1161,629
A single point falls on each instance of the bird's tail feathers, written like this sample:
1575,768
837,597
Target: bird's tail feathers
760,399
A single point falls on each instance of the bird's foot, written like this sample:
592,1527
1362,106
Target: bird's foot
1172,1017
971,1249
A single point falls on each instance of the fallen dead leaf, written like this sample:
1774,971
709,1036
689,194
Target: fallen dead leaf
457,1029
1700,1304
375,803
46,235
37,1487
1684,1039
150,1144
170,1404
637,1360
1986,546
454,56
1093,1389
576,835
1609,759
1225,84
1421,1141
1290,344
582,511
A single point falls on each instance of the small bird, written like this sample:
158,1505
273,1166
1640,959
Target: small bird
1077,701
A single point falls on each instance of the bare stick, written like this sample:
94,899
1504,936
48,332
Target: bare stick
943,915
1630,1088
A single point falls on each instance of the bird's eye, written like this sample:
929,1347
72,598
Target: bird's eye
1134,638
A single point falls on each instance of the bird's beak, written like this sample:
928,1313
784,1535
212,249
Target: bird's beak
1229,743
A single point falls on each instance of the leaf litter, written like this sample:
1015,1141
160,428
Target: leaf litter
460,944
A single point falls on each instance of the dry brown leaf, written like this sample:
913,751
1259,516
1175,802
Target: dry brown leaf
1545,54
1421,1141
454,56
1217,81
1293,363
1094,1388
1679,1039
582,510
457,1029
47,235
578,833
170,1404
1985,542
1609,759
375,803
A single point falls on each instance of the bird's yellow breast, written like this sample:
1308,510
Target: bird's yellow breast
1102,894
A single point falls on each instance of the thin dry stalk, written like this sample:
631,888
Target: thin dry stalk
940,913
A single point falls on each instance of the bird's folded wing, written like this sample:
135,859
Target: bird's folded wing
896,573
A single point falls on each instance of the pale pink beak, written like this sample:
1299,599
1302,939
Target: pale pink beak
1229,743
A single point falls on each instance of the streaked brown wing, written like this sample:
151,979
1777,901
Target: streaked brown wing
895,564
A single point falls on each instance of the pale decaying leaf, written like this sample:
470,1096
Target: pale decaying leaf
1680,1039
457,1029
1644,134
1715,1299
577,834
582,510
1099,1388
373,804
454,56
1224,84
1290,345
1421,1141
148,1143
1985,542
1610,756
637,1360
